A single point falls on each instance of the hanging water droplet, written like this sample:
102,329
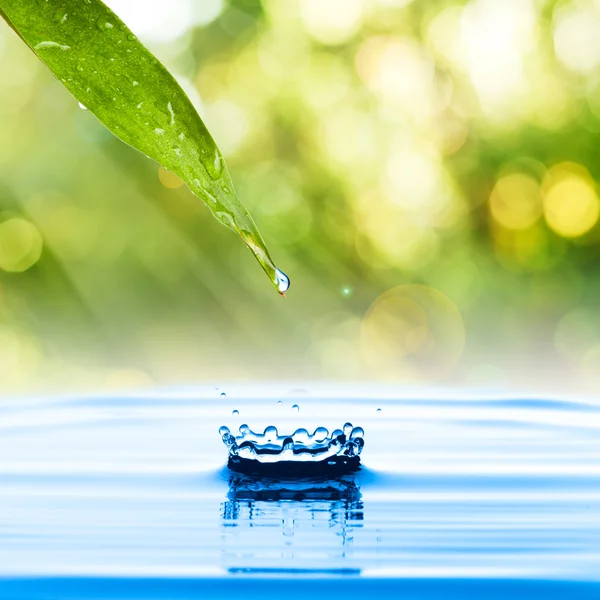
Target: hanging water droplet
223,395
235,413
282,281
81,106
295,408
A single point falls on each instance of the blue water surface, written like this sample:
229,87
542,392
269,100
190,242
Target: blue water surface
128,497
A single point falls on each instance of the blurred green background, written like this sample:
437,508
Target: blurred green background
425,172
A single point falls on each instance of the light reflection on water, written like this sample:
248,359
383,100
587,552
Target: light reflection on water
267,515
454,491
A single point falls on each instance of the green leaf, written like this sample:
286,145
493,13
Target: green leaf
106,68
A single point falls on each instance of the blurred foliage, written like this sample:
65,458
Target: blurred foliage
449,148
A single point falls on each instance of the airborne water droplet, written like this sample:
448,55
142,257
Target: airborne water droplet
282,281
295,408
223,395
235,412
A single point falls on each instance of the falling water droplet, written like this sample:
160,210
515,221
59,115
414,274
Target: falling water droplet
295,408
223,395
282,281
378,410
235,413
81,106
279,402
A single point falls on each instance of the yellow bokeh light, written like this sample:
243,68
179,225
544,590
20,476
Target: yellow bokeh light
332,22
168,179
412,332
515,201
398,69
20,245
571,204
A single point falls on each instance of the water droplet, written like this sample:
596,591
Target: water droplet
131,37
295,408
235,413
320,434
271,433
357,432
378,410
51,45
226,189
134,83
244,429
226,219
223,430
347,429
159,131
279,402
223,395
282,281
103,25
81,106
301,436
171,112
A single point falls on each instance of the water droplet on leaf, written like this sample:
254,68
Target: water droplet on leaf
282,281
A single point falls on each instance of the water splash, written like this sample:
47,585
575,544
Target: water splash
252,451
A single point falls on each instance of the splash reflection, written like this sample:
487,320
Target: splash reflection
295,526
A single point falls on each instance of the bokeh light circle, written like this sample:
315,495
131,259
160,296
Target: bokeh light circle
515,201
20,245
571,204
413,333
